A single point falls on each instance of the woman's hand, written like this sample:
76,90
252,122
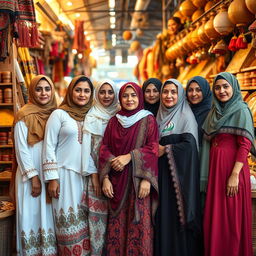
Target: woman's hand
36,186
107,188
232,184
118,163
54,188
96,184
144,189
161,150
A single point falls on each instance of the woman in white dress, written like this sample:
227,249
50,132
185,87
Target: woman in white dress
62,166
96,206
35,227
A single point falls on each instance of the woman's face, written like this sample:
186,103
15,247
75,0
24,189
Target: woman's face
81,93
173,27
106,95
223,90
170,95
151,94
194,93
43,92
129,100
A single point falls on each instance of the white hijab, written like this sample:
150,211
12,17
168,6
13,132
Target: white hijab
95,122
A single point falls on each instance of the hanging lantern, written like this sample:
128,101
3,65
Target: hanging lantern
199,3
187,8
221,22
208,5
220,48
238,13
135,45
139,32
197,14
127,35
209,29
251,5
201,33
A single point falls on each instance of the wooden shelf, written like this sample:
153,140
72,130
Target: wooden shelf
5,84
5,162
245,88
5,126
248,69
6,104
5,178
6,146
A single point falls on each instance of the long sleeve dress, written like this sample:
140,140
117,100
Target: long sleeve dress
227,220
35,226
62,161
178,215
130,227
96,207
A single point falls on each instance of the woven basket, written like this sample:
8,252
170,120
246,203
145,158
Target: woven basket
6,230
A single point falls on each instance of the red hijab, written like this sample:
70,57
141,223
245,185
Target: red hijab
118,140
139,93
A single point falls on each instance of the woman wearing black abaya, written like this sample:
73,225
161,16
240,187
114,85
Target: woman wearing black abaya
178,217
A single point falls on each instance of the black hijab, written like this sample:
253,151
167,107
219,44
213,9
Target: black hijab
153,108
201,109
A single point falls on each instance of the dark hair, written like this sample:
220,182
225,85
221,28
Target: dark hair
84,79
178,21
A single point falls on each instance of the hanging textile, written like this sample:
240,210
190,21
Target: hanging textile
26,64
79,38
4,32
23,14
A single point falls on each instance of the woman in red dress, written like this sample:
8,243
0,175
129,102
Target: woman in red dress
229,136
128,170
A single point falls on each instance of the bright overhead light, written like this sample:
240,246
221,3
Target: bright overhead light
88,38
85,33
74,51
112,13
78,15
69,3
112,20
80,55
111,3
114,36
112,26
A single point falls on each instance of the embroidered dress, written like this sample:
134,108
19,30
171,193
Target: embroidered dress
96,207
35,226
130,226
62,161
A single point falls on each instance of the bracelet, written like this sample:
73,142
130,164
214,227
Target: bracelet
106,176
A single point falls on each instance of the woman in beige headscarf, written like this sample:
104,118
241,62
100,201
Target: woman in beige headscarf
34,215
62,165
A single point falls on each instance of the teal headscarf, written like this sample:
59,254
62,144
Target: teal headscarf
233,116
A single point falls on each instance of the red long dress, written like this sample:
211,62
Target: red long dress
228,220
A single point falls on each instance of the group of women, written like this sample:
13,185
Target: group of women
156,170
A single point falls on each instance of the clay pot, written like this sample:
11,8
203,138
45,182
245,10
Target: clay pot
197,14
169,53
195,38
208,5
179,15
238,13
201,33
127,35
251,5
199,3
209,29
221,22
187,8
